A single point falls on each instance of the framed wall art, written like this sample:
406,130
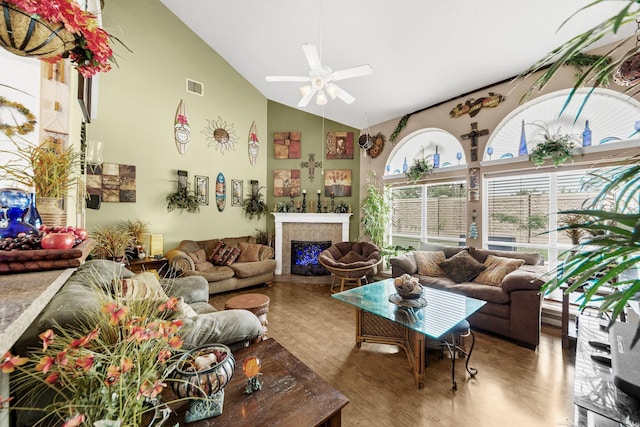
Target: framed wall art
286,182
112,182
337,182
286,145
237,196
474,185
339,145
202,189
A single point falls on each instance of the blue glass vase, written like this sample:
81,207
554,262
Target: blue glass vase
522,149
31,214
586,135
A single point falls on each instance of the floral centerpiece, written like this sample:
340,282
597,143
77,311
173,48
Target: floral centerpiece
115,372
90,50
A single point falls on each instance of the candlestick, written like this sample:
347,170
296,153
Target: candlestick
333,206
319,207
304,200
304,191
318,192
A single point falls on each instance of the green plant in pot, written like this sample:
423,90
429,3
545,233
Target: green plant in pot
111,242
419,168
555,146
254,203
183,199
376,211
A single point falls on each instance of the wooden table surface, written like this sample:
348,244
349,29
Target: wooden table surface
291,395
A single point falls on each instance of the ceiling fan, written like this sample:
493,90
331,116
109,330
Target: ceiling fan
321,78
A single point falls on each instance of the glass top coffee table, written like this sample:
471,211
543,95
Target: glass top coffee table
406,323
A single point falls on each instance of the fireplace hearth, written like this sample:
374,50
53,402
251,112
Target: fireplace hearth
304,258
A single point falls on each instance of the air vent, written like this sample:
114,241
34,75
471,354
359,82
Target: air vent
195,87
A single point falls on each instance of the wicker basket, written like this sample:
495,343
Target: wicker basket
25,35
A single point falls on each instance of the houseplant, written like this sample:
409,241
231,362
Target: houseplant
80,36
111,242
183,200
254,203
113,366
418,169
376,211
555,146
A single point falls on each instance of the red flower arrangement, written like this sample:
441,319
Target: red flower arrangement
92,53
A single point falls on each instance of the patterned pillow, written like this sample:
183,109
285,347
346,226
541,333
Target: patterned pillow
497,268
143,286
218,254
231,256
428,261
461,267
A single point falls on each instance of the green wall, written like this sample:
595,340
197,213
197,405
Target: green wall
283,118
137,105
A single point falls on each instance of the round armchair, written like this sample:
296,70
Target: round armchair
351,262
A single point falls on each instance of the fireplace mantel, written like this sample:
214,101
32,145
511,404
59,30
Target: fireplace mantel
313,218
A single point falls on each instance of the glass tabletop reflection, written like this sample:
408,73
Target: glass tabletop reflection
443,309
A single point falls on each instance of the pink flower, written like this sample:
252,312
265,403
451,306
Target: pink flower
182,119
170,304
9,362
45,364
75,421
47,338
115,312
113,375
85,362
150,390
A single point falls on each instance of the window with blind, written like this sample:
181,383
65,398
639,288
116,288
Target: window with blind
438,217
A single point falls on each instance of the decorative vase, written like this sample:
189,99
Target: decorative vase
51,213
31,214
190,380
26,35
522,149
586,135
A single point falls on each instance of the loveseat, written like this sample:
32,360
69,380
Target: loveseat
68,311
227,264
508,281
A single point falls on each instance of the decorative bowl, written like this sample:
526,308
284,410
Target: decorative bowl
191,379
410,295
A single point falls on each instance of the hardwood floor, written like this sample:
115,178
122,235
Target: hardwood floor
515,386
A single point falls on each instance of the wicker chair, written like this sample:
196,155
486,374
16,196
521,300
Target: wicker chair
351,262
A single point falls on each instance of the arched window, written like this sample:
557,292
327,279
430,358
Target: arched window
612,116
423,143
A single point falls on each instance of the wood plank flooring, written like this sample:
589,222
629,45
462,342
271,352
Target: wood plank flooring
515,386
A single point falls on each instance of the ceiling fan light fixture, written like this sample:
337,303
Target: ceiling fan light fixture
321,99
305,90
332,90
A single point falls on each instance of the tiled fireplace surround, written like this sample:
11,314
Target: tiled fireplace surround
307,227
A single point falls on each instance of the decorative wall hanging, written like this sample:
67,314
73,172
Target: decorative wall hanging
339,145
182,181
220,134
473,106
202,189
312,165
337,182
286,145
181,129
473,136
378,145
474,185
254,144
365,142
286,182
221,192
112,182
237,195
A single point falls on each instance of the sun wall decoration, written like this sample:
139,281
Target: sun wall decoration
220,135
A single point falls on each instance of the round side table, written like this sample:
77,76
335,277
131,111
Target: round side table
258,304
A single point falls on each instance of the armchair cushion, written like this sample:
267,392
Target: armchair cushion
497,269
428,262
462,267
351,257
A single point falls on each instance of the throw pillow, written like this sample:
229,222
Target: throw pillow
497,268
232,256
461,267
249,252
351,257
143,286
219,253
428,261
198,256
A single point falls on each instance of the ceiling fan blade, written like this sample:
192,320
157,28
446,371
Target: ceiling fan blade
336,91
288,78
311,53
304,101
347,73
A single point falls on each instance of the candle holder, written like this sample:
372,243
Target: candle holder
304,202
319,206
291,202
251,369
333,203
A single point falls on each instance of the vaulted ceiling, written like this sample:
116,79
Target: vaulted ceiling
422,52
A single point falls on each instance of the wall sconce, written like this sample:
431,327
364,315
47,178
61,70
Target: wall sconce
94,153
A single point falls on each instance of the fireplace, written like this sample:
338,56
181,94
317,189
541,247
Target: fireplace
304,258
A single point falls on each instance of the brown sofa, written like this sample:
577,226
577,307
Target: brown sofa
253,266
514,302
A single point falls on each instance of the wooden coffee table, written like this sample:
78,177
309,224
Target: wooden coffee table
291,395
